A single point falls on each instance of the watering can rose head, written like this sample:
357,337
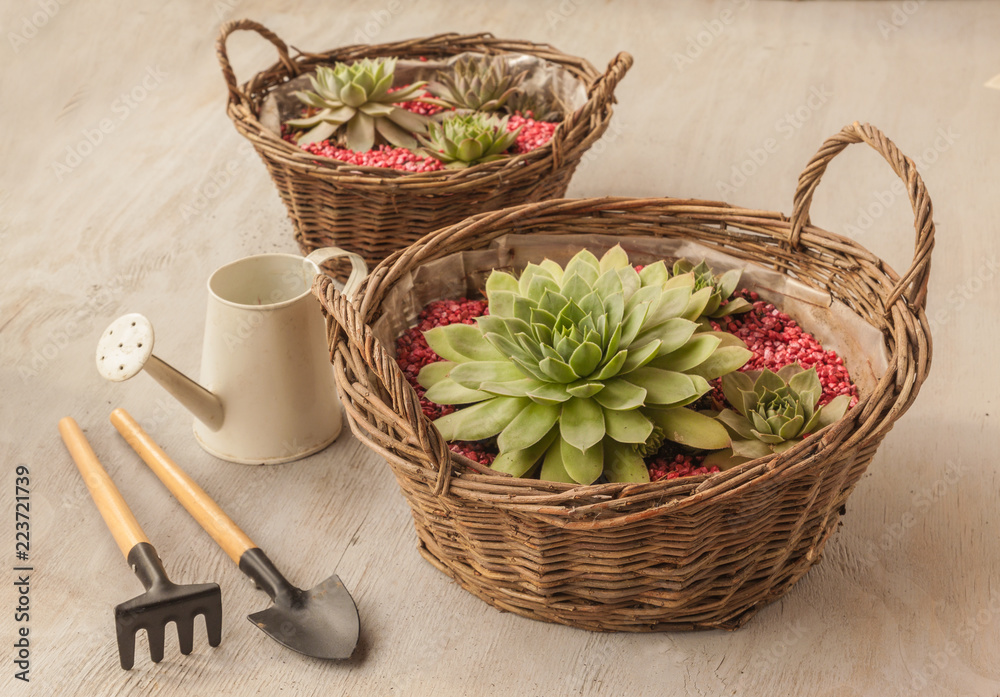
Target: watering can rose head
774,411
582,370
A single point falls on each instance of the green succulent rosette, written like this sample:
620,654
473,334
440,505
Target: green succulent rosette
478,83
774,411
354,101
722,288
462,140
579,371
543,105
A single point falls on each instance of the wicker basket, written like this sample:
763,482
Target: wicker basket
696,552
376,211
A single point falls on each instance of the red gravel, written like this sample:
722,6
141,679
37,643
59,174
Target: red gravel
413,353
483,453
382,156
663,466
534,134
775,338
419,107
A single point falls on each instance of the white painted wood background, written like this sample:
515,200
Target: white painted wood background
906,599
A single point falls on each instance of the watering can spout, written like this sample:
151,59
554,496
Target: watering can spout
126,349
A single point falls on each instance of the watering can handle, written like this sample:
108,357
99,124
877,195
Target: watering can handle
359,269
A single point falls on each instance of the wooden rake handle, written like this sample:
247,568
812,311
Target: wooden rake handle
116,513
200,505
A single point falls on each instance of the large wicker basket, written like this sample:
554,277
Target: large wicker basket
696,552
376,211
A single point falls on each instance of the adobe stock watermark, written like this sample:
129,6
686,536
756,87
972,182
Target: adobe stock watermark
884,199
615,130
165,409
708,32
376,21
122,108
292,284
901,14
937,662
565,10
921,502
29,25
785,127
81,320
968,290
216,183
224,8
775,651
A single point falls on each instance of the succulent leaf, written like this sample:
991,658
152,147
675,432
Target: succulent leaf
688,427
448,391
623,463
527,428
518,463
604,347
581,465
483,420
553,465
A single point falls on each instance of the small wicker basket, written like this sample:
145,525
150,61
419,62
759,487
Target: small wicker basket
696,552
376,211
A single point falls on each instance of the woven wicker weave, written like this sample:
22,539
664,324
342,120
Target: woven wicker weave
375,211
695,552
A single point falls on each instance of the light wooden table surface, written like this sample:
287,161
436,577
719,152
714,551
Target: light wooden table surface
906,599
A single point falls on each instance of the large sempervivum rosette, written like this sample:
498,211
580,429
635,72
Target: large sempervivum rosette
582,370
354,100
774,411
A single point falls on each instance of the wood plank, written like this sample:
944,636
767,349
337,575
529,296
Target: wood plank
903,601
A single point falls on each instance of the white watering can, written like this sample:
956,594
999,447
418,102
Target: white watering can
269,393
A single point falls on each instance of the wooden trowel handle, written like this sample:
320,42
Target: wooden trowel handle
108,499
213,519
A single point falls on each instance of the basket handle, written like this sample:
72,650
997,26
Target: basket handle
405,402
235,94
599,95
913,284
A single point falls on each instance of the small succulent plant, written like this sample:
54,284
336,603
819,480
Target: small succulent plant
354,100
462,140
541,106
478,83
582,370
722,288
774,411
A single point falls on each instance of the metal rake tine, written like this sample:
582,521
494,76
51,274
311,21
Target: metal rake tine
126,645
213,623
155,634
185,634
